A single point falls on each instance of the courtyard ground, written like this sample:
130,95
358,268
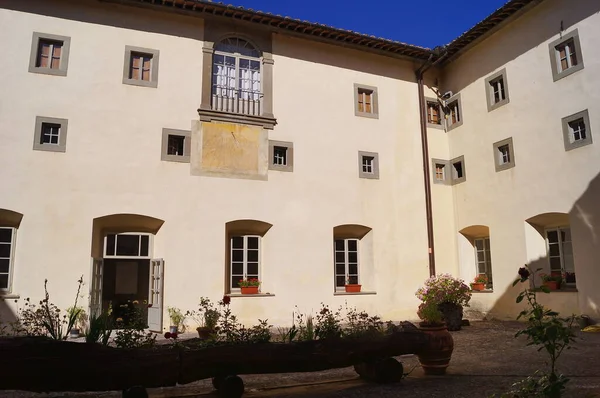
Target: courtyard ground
487,359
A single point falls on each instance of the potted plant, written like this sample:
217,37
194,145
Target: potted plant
249,286
177,319
435,357
479,282
552,282
352,287
569,277
207,317
449,294
78,313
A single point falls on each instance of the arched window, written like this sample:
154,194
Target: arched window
479,261
236,79
348,247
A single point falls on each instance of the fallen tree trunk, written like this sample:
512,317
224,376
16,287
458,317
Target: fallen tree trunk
40,364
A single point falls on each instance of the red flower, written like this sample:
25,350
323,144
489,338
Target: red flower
167,335
226,300
173,335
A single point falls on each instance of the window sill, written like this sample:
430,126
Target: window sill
9,296
250,295
354,294
483,291
209,115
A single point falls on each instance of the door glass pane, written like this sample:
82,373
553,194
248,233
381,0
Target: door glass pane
352,257
237,268
5,235
339,244
552,236
340,269
237,255
340,280
252,255
234,280
353,279
252,242
340,257
237,242
145,244
554,250
352,245
4,250
128,245
352,269
4,264
555,264
253,270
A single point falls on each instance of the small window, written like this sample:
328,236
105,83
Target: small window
281,156
434,113
440,171
141,67
365,101
458,170
49,54
127,245
244,259
504,154
346,262
496,88
176,145
560,253
483,258
565,55
576,130
454,113
50,134
7,241
368,163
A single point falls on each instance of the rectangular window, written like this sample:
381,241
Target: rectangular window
141,66
365,101
483,257
6,256
576,130
503,154
440,172
49,53
368,165
127,245
346,262
560,251
244,259
496,88
454,116
280,156
433,113
457,170
454,113
176,145
565,55
50,133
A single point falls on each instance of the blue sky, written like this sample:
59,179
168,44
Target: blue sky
426,23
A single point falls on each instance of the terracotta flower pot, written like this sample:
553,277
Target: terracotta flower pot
478,286
435,357
249,290
204,333
353,288
552,285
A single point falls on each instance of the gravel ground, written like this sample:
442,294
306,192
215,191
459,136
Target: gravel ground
487,359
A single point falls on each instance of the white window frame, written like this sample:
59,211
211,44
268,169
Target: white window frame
245,249
487,262
368,164
11,259
570,50
346,262
561,254
54,129
278,158
140,234
504,156
572,131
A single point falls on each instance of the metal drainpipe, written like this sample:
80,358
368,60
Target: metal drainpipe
425,150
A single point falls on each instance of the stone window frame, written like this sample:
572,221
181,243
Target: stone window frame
554,60
62,138
153,83
491,105
453,180
566,131
187,145
447,171
375,174
214,32
374,99
289,155
64,56
496,147
441,116
454,98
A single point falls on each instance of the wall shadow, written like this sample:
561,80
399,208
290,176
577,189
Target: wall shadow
525,33
584,218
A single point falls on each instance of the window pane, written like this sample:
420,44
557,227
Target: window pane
110,245
352,257
479,244
552,236
340,280
237,255
480,256
554,250
237,242
352,269
353,279
252,255
252,242
565,234
253,276
487,244
4,265
4,250
235,279
340,269
6,235
555,264
128,245
237,268
481,268
340,257
339,244
352,245
145,244
252,270
4,281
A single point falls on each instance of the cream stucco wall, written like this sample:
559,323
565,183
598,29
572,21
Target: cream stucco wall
546,178
112,165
